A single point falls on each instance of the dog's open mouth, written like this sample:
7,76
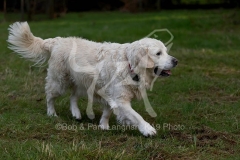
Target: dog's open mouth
164,73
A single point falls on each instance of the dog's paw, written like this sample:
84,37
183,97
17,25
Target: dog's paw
51,113
104,126
76,113
147,130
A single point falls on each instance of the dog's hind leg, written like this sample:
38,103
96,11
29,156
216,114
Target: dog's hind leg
54,88
73,104
51,94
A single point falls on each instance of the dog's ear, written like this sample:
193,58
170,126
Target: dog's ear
138,57
146,62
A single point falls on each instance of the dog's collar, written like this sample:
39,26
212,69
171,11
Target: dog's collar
130,68
134,76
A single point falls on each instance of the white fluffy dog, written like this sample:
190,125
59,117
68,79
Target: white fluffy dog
110,73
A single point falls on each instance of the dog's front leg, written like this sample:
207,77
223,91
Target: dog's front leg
104,122
128,116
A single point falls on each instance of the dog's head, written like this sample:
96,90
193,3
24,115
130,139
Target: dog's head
150,54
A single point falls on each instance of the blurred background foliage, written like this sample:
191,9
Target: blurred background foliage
27,9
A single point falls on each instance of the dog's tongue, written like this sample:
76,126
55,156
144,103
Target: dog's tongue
167,71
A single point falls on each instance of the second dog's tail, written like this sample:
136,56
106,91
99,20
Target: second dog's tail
23,42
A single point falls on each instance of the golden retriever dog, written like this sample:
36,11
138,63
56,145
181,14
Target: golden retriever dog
110,73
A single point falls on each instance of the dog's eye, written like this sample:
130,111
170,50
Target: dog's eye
159,53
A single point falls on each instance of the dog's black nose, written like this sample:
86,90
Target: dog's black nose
174,61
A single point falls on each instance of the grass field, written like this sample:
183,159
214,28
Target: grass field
200,101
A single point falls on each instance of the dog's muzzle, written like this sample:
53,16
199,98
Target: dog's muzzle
165,73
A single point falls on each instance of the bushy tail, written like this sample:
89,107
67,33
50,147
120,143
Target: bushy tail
22,41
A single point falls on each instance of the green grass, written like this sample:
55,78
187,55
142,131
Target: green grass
202,97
